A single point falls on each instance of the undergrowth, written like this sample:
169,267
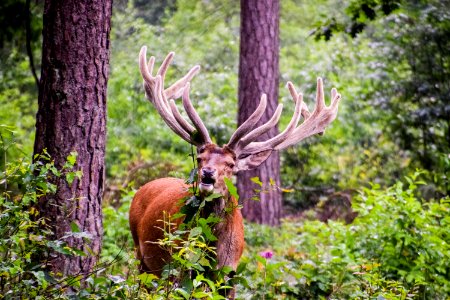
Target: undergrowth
398,247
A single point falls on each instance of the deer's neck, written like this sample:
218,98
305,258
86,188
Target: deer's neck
228,231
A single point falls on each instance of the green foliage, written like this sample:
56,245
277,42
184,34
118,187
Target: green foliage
355,149
26,241
20,239
412,93
415,242
359,13
24,235
397,248
18,90
419,110
117,242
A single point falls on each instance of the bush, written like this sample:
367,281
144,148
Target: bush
397,248
25,241
22,231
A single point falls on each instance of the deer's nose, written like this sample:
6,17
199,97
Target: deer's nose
208,172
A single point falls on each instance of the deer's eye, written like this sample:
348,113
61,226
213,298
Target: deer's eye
199,160
230,165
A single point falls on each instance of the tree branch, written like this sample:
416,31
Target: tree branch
28,41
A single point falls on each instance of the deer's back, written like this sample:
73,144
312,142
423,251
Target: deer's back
156,200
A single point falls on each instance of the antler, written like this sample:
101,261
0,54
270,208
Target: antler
243,140
163,99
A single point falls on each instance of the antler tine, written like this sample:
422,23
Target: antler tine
255,133
165,65
314,123
320,118
320,98
154,87
146,71
175,91
151,63
165,113
278,139
176,113
304,109
193,115
249,123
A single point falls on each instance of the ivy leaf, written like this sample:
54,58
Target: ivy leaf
71,159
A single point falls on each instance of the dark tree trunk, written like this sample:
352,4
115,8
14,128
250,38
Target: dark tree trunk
72,117
258,73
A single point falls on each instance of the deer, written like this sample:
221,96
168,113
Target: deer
242,152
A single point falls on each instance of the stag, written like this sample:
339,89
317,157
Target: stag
242,152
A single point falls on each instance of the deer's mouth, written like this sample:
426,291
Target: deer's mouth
207,184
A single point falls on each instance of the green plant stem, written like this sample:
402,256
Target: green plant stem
4,161
265,277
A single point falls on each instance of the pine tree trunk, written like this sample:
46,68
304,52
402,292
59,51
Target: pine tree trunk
72,117
258,73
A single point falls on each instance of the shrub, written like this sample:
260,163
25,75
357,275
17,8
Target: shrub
397,248
25,241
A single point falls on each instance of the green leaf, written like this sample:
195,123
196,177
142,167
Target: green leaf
70,176
213,196
183,293
204,262
190,209
256,180
200,295
78,252
196,231
207,229
40,276
72,158
147,278
74,227
241,267
241,280
231,188
177,216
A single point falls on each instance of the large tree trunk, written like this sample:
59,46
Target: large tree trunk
72,117
258,73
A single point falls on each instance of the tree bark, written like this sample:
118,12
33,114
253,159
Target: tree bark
258,73
72,117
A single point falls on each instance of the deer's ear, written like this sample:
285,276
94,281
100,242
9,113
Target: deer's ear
251,161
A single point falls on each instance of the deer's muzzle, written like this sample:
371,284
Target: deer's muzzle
207,180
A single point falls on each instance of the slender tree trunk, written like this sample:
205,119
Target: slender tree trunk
72,117
258,73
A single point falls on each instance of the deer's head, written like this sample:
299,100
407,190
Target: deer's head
242,152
